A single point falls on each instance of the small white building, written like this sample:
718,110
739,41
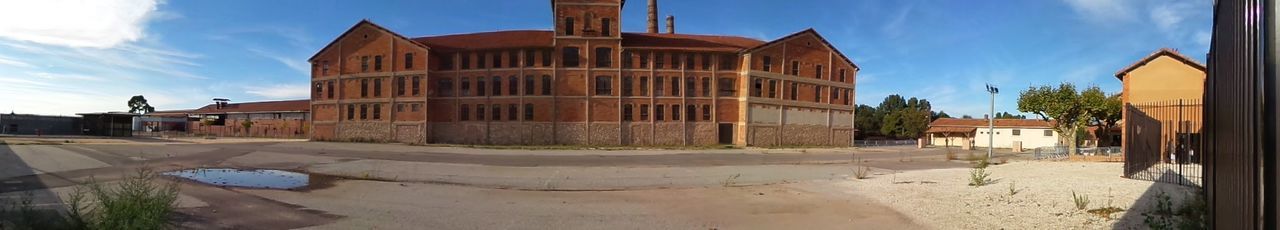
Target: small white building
1009,133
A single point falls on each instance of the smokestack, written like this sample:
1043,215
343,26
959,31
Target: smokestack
671,24
653,17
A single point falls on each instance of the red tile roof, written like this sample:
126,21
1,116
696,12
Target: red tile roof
542,38
950,129
688,42
1162,52
1007,123
252,107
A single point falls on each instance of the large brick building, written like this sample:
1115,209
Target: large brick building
585,82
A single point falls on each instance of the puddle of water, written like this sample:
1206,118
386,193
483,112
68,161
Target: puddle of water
246,178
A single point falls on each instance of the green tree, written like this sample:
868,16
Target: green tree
138,104
866,121
247,124
1069,109
966,116
940,114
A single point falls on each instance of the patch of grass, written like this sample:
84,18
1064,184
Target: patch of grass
979,177
1105,212
1013,188
136,202
1190,215
1081,201
983,163
861,172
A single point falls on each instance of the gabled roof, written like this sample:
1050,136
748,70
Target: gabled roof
1161,52
357,25
815,34
688,42
491,40
1000,123
542,38
264,106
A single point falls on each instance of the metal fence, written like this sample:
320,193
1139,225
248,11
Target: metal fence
1162,141
865,143
1061,152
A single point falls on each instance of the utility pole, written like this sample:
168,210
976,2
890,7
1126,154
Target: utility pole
991,121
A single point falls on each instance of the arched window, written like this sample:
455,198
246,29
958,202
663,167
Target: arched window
497,86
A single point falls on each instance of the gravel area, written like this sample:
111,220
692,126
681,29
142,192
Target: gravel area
942,198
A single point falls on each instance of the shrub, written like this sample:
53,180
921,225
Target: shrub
979,177
1162,215
1013,189
861,172
1081,201
136,202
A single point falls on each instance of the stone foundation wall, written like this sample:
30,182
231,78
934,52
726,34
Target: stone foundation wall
508,133
571,133
540,133
413,134
365,131
701,133
668,134
807,135
640,133
763,136
842,138
605,134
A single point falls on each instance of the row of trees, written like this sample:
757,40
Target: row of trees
1073,110
895,117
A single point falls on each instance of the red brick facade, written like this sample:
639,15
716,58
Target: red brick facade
583,83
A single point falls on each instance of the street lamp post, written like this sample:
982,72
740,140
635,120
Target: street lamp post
991,121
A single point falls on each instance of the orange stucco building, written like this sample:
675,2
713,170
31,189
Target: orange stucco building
585,82
1162,105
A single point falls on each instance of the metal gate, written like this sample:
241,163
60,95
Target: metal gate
1163,142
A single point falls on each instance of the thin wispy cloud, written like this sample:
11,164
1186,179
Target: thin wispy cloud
280,91
96,24
1102,11
298,64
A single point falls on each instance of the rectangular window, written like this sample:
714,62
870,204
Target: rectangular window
726,87
706,61
1048,133
644,112
497,112
446,62
706,87
400,85
644,86
351,112
835,95
480,87
604,57
690,113
528,58
626,112
1017,132
675,86
377,111
528,85
513,58
481,58
408,60
773,89
605,26
546,58
688,60
841,75
817,93
604,85
513,86
658,60
511,112
795,68
675,112
706,112
465,86
479,112
659,112
417,85
444,87
319,89
626,86
497,85
466,61
329,89
546,85
658,86
644,60
324,67
528,112
727,62
569,57
377,63
377,87
794,90
364,111
364,63
766,63
817,72
757,87
689,86
568,26
626,60
464,113
364,88
415,107
497,60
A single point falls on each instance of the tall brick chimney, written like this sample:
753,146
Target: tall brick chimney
671,24
653,17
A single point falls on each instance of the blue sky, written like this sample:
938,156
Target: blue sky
64,56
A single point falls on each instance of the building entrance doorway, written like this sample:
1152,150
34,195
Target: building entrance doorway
726,133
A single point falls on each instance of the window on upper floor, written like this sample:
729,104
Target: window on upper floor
842,75
481,58
377,87
568,26
351,112
627,111
546,58
479,112
319,88
546,85
417,85
766,63
644,60
324,67
659,112
605,27
446,61
1017,132
675,112
658,86
1048,133
497,85
464,85
658,60
512,109
675,86
513,58
756,87
690,112
444,87
377,111
528,85
528,112
408,60
728,62
497,60
817,93
604,85
604,57
528,58
689,87
793,90
329,89
466,61
706,61
364,87
706,87
688,60
706,112
480,87
496,111
726,87
644,86
626,86
795,68
377,63
364,111
364,63
644,112
626,60
513,85
773,88
817,72
400,85
569,57
464,112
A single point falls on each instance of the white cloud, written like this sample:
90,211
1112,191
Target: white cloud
96,24
297,64
12,62
280,91
1101,10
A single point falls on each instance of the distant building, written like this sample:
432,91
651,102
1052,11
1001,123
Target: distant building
1162,106
274,119
585,82
31,124
1008,133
